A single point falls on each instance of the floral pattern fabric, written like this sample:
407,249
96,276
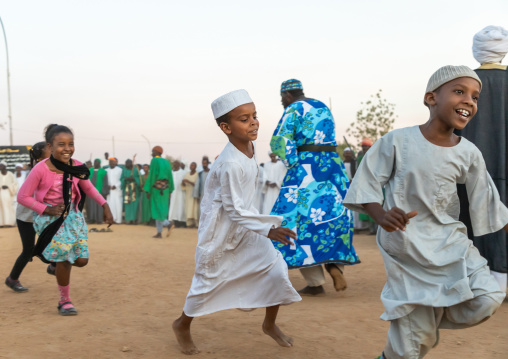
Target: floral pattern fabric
310,199
70,241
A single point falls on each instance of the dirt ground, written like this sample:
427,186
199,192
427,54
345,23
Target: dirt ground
135,286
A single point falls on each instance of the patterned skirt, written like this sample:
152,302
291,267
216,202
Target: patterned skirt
70,241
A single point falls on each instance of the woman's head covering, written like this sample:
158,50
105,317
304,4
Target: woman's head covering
490,45
292,84
229,101
367,142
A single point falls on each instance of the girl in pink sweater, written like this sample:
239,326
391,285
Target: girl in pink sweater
55,190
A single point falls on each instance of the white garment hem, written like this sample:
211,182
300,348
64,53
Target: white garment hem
242,309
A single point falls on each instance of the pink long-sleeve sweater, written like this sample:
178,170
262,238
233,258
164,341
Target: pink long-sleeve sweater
40,180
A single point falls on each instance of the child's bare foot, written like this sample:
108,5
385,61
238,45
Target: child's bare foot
184,338
274,331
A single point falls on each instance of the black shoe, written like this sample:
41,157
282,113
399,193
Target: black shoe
51,270
15,285
318,291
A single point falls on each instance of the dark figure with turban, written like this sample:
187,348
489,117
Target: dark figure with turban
489,132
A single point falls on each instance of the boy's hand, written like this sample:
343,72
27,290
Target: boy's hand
280,234
108,216
396,219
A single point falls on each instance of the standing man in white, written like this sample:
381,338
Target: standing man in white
115,197
273,175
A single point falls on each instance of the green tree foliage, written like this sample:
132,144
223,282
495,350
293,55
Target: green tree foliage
373,120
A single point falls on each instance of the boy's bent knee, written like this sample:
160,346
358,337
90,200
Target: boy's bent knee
472,312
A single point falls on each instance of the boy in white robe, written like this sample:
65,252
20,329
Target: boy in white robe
436,279
236,263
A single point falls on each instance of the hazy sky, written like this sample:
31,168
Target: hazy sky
131,68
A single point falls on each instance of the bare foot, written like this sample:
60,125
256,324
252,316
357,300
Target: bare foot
274,331
184,338
339,281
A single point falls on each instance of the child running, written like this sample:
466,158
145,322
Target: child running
24,220
236,263
436,279
60,185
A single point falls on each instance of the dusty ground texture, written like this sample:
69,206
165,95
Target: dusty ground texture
135,286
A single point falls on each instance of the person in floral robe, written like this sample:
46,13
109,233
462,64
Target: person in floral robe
310,199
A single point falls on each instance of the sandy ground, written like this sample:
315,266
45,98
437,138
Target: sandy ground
135,286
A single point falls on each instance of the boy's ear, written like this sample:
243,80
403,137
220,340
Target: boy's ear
430,98
224,126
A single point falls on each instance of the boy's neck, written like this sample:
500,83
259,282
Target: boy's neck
439,134
246,147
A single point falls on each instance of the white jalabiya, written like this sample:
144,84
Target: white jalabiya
19,181
273,173
115,197
177,201
432,263
259,195
237,266
490,45
7,212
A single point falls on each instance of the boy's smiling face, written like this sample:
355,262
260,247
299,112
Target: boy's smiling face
455,102
242,124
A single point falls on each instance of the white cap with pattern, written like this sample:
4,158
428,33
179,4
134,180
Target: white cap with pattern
448,73
229,102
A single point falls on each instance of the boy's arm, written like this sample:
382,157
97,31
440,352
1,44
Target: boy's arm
233,202
394,219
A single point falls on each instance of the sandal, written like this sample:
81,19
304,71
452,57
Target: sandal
93,230
68,311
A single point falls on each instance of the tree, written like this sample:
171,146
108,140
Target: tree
374,119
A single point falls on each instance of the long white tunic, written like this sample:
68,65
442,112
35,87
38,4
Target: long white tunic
115,197
236,264
274,173
177,202
432,262
7,197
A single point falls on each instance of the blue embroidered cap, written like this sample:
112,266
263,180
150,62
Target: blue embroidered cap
292,84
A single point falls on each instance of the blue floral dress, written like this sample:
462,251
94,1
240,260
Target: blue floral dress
310,199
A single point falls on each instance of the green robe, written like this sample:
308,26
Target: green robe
131,193
146,210
160,169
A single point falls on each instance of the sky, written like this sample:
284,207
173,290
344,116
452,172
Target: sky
145,72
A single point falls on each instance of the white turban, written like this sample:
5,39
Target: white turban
3,163
18,165
490,45
347,149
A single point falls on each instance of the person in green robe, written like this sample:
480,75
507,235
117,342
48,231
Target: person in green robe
146,210
99,179
158,186
131,191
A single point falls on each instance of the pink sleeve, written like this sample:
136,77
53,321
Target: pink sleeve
27,190
91,191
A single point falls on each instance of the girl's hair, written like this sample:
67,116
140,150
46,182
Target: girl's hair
36,153
53,129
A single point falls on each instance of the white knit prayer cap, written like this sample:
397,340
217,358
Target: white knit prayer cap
229,102
347,149
490,45
448,73
18,165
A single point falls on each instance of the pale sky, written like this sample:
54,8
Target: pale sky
131,68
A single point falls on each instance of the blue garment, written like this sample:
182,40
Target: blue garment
310,199
70,241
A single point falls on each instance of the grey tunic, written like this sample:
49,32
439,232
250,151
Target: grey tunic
432,262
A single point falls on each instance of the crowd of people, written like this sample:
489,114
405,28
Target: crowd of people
297,211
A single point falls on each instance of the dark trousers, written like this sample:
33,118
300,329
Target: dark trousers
27,233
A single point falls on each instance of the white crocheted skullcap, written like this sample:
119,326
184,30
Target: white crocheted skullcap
448,73
229,102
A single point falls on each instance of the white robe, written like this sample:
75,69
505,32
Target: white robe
272,172
237,266
7,196
177,202
432,263
19,181
259,196
115,197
